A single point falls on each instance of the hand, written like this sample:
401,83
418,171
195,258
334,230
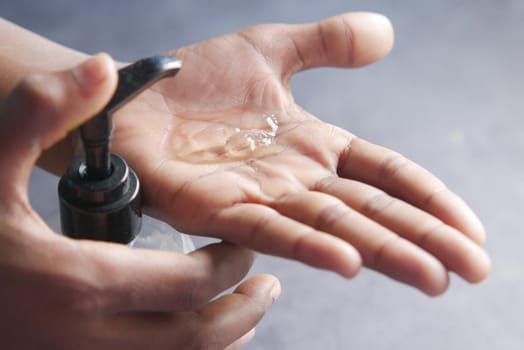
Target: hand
58,293
223,150
212,163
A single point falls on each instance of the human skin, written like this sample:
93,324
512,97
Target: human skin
316,193
60,293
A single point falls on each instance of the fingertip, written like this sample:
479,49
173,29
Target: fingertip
386,31
96,79
469,222
454,211
275,290
474,227
89,74
46,106
349,40
435,282
407,263
84,91
328,252
480,267
347,261
264,285
353,264
436,286
266,282
476,271
475,268
381,25
372,35
432,277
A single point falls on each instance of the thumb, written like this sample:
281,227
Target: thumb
44,107
349,40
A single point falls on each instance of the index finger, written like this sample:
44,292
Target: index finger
406,180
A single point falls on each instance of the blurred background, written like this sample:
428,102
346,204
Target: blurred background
450,96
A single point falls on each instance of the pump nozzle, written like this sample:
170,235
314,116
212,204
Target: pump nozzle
97,132
99,194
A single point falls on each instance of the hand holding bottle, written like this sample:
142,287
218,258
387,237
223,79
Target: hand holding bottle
61,293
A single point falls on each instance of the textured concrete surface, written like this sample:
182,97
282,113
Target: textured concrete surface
450,96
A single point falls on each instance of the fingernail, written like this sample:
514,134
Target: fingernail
91,72
275,292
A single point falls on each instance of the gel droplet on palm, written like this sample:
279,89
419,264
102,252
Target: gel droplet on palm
260,133
228,137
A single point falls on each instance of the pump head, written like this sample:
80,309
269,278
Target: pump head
100,194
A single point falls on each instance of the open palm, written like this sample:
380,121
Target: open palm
223,150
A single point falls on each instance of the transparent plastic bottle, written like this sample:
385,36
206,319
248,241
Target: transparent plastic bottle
155,234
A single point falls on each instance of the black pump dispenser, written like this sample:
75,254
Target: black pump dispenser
100,194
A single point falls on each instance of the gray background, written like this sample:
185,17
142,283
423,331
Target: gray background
449,96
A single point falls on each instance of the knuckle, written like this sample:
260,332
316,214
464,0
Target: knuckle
426,234
391,165
379,256
299,248
437,188
76,299
265,219
349,40
299,56
84,298
331,215
93,290
376,204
